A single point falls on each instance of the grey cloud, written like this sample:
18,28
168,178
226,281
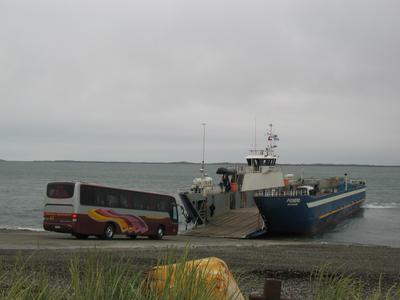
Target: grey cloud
144,75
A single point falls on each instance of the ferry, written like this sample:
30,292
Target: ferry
308,206
205,201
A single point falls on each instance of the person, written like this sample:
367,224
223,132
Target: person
227,184
221,183
212,209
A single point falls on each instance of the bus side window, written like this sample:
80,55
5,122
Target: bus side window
161,204
123,200
87,196
151,203
133,201
140,201
112,200
99,201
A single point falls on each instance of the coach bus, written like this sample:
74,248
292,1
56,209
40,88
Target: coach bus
84,209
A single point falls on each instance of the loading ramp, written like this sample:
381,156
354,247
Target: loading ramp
236,223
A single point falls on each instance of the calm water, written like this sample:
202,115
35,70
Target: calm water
22,187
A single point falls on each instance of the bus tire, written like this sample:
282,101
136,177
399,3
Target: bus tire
159,234
80,236
109,231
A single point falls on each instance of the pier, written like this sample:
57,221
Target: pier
237,223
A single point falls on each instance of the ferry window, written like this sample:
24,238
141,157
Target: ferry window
249,162
60,190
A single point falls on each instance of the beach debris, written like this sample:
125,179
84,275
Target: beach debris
208,274
272,291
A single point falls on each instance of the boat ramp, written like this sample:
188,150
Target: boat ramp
237,223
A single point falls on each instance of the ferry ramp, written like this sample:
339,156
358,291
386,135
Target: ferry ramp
236,223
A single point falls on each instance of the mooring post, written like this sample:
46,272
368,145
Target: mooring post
272,290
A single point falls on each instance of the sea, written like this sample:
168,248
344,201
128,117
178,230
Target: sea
23,186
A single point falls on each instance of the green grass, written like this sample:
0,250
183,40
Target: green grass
100,275
334,286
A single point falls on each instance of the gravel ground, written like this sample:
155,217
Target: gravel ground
291,263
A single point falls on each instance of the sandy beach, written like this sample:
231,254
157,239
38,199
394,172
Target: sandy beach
250,260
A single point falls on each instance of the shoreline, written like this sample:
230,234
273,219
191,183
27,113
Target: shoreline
274,238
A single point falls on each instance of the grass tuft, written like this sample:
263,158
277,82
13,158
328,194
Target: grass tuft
333,286
101,275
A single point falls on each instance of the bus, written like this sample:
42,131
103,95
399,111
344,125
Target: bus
84,209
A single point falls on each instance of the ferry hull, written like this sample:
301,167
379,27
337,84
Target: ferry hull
306,214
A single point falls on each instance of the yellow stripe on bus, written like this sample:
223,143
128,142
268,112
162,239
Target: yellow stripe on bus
122,224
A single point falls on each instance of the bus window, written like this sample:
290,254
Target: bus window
123,199
100,198
112,200
163,204
60,190
137,201
151,203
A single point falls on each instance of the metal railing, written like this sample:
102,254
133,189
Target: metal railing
282,193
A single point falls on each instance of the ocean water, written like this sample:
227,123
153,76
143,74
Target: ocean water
23,184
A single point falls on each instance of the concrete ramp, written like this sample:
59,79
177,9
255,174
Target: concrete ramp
236,223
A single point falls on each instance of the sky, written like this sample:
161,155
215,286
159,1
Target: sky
134,80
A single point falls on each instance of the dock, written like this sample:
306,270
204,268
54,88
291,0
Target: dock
237,223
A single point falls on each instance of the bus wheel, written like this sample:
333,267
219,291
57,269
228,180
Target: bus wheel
132,236
80,236
160,233
109,231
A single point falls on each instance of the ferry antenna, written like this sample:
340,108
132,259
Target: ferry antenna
204,148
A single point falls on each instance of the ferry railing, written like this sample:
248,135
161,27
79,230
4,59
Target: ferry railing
257,152
282,193
215,189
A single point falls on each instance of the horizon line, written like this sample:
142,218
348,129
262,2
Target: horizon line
198,163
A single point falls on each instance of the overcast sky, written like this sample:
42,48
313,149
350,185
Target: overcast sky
134,80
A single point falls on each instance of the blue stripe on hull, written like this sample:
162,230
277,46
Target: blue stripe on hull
283,218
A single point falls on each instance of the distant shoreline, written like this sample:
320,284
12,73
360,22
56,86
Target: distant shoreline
195,163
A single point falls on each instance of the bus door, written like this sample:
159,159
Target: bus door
174,217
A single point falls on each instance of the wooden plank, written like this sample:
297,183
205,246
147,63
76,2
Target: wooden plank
233,224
